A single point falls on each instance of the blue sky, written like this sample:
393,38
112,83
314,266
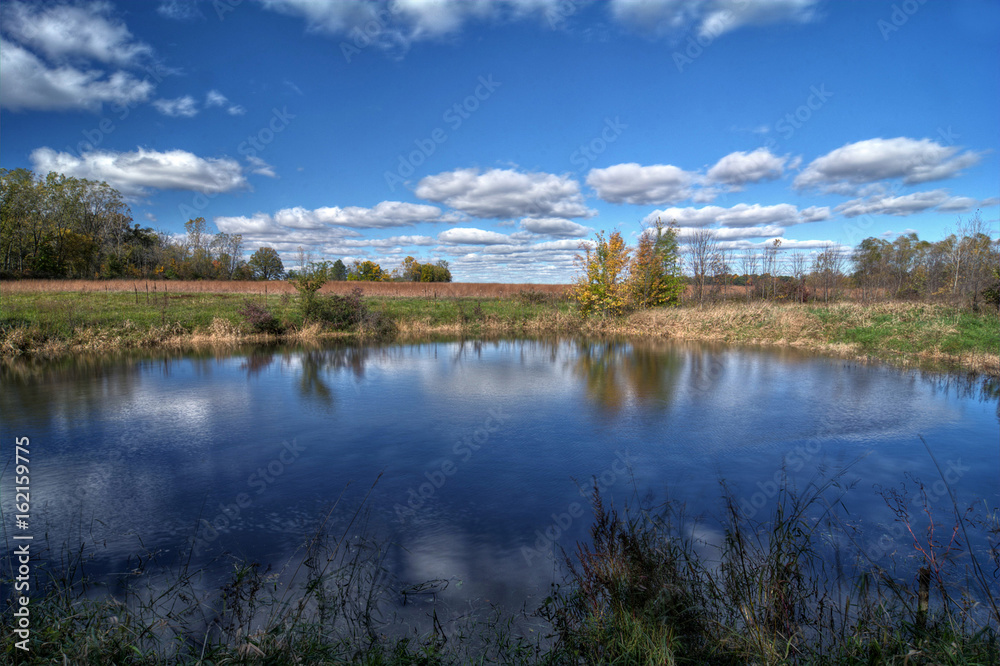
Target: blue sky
501,135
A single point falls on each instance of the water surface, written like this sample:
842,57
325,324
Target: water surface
484,452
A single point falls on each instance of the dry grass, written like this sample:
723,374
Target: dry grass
906,333
383,289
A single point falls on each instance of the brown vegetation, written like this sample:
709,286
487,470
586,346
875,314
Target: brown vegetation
383,289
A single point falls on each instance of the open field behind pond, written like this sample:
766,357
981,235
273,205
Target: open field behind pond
50,318
391,289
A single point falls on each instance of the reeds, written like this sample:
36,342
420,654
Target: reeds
782,590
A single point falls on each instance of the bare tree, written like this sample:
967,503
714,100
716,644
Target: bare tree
979,257
771,265
797,264
748,266
828,268
702,250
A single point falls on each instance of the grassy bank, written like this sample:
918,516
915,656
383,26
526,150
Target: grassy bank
642,590
52,323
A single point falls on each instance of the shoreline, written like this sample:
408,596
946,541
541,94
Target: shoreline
49,325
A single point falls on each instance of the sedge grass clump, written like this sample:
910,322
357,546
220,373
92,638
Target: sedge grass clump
635,596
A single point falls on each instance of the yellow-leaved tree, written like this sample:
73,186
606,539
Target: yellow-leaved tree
655,274
603,287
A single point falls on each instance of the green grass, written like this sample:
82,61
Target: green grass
912,330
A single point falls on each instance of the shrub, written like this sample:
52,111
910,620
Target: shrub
377,324
260,318
349,312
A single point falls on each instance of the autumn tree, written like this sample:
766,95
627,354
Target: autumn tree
655,273
603,287
412,270
367,271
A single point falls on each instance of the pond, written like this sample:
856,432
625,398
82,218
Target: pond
474,461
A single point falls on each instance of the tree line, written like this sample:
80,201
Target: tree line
64,227
963,268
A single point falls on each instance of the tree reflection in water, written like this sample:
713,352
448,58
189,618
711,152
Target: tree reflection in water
616,373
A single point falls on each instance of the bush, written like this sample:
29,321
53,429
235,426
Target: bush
349,312
340,312
260,318
377,324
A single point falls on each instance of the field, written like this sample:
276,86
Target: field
383,289
53,318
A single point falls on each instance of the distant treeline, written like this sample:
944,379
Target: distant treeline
64,227
964,268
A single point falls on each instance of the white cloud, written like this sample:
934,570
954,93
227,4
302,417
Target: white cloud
740,215
552,226
636,184
738,169
184,107
786,244
505,193
331,16
395,25
856,164
85,30
260,224
28,83
215,98
469,236
260,167
134,172
769,231
709,18
907,204
384,215
178,10
395,241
